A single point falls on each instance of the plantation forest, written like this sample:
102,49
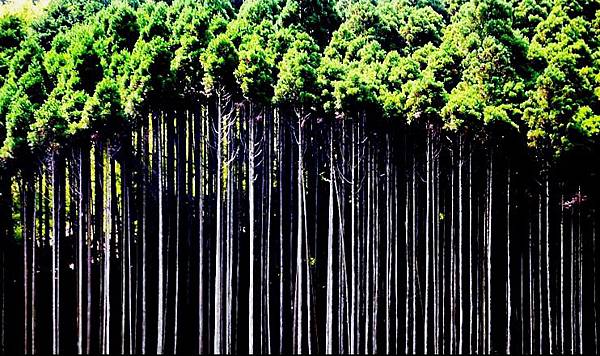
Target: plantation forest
299,176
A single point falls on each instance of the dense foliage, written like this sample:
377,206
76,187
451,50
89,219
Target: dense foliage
77,68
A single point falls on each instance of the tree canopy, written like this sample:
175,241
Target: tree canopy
77,67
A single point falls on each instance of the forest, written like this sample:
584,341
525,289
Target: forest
299,176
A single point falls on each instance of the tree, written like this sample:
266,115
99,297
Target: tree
12,34
61,15
315,17
297,90
219,61
556,108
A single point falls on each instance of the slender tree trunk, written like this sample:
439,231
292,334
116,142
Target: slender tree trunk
200,161
580,274
161,238
508,270
460,248
353,309
281,230
562,277
389,247
269,158
471,315
144,229
329,312
406,248
428,240
299,324
80,246
547,238
56,207
414,257
218,298
251,179
26,271
489,255
36,221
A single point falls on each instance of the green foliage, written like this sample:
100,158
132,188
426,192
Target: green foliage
60,15
256,11
563,100
297,80
92,68
152,18
120,26
49,126
104,110
359,85
219,62
150,83
190,35
27,70
12,32
256,69
425,98
317,18
18,118
403,27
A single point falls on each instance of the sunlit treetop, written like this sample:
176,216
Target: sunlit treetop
297,79
89,68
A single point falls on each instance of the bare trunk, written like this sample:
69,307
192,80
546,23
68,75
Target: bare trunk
329,311
508,270
161,237
251,179
218,297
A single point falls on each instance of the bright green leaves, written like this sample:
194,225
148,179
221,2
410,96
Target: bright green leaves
465,104
49,126
425,97
190,36
563,101
18,118
255,11
480,63
297,80
75,60
405,27
85,68
12,33
397,72
256,70
357,89
350,70
369,62
152,18
529,13
23,91
27,70
150,81
219,62
587,122
423,26
104,111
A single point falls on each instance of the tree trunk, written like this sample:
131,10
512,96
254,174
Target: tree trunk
161,237
251,179
329,312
